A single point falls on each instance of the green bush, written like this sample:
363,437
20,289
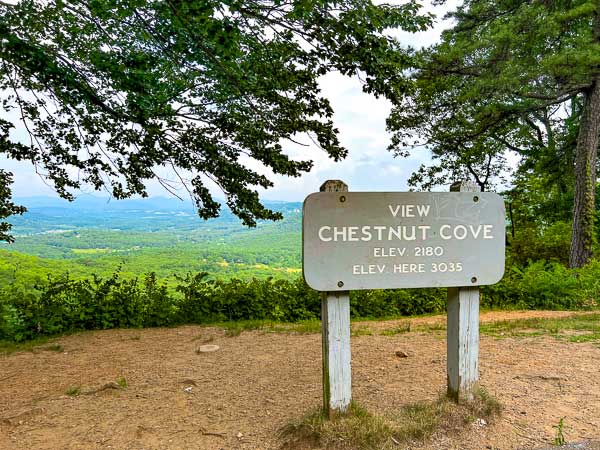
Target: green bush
63,304
545,285
396,302
548,244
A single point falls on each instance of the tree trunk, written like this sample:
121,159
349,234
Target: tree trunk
582,239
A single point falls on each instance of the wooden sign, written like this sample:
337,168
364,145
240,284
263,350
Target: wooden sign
386,240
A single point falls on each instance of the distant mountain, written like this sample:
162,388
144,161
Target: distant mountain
52,214
90,202
85,202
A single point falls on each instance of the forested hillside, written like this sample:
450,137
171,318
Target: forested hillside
163,236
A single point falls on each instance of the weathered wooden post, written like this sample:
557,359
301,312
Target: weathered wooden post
335,323
463,330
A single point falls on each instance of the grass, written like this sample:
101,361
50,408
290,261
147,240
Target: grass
432,327
8,347
73,391
54,348
574,328
122,381
361,429
356,429
233,329
559,439
203,339
403,327
361,331
302,327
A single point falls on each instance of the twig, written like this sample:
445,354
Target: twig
540,377
111,385
212,433
8,376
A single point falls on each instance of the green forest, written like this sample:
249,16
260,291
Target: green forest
167,241
62,275
107,95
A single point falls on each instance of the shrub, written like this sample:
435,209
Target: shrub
541,285
396,302
62,304
548,244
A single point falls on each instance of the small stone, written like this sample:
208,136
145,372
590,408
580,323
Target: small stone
207,348
401,354
240,435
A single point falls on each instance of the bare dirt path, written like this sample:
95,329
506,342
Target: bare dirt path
241,395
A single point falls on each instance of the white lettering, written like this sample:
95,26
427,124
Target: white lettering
409,268
379,229
367,236
397,232
323,238
423,210
487,232
367,233
463,232
442,235
382,252
352,234
337,232
424,229
475,233
367,269
412,236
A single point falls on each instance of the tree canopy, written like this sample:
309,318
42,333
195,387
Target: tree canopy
110,91
511,75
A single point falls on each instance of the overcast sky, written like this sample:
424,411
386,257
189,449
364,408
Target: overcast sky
360,119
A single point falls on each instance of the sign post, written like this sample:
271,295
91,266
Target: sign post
335,323
463,331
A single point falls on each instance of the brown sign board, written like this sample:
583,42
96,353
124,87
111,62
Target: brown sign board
388,240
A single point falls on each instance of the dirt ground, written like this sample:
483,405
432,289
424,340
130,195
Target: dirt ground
241,395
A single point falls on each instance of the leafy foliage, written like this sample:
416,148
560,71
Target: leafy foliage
7,208
547,244
115,90
511,76
64,304
545,285
540,218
